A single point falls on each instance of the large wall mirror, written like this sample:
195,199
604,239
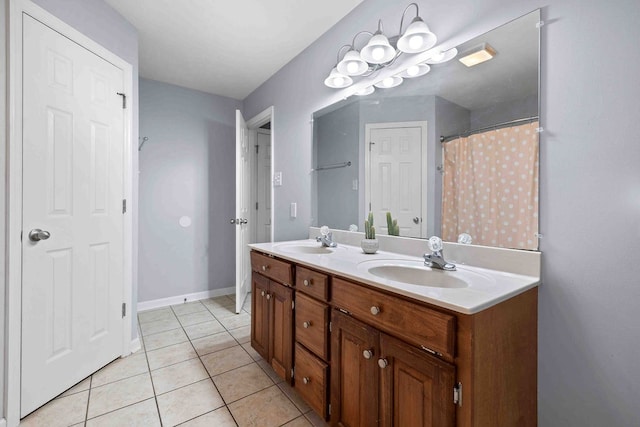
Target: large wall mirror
383,152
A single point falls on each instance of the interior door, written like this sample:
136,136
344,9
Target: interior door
396,181
72,240
263,227
243,196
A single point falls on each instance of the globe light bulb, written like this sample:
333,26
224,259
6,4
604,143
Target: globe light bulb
352,67
413,70
377,53
415,42
438,56
388,82
338,81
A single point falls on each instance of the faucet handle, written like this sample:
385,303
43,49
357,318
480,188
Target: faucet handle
324,230
435,243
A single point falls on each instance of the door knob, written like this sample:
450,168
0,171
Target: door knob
36,235
416,220
244,221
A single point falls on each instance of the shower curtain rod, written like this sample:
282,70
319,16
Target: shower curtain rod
444,139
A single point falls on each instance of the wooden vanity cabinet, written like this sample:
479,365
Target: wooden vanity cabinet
272,313
390,360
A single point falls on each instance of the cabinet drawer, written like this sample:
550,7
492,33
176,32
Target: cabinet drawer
312,324
412,322
313,283
273,268
311,380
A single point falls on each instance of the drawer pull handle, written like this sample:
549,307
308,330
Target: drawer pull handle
383,363
265,267
306,380
268,296
306,282
375,310
367,354
262,293
306,325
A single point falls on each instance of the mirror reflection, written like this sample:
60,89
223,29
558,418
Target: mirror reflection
383,152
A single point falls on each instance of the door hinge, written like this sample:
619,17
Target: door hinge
256,205
292,372
293,305
329,327
329,408
457,394
257,149
124,205
124,99
124,309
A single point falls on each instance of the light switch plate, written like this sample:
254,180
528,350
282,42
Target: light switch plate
293,210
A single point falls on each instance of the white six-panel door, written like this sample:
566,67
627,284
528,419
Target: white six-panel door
396,179
73,162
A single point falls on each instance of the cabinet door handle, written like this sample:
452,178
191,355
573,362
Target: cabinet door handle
262,293
367,354
383,363
265,267
306,380
306,325
375,310
268,296
306,282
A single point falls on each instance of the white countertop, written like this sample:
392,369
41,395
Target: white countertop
486,287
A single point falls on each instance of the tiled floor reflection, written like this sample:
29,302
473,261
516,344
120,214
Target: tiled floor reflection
196,368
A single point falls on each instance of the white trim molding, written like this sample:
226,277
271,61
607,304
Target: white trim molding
180,299
13,344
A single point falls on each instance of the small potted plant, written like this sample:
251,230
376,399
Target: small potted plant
369,244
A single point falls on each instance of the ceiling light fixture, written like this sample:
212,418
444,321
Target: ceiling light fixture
381,51
477,55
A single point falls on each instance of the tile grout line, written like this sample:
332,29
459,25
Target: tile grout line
153,387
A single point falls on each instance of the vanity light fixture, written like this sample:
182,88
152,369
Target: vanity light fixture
477,55
381,51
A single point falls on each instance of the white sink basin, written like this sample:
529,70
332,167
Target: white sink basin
303,248
415,273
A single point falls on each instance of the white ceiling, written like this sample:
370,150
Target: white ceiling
225,47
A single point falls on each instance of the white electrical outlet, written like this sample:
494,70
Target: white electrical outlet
293,210
354,185
277,179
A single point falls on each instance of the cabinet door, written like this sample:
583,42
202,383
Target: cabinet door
416,388
354,372
281,330
260,315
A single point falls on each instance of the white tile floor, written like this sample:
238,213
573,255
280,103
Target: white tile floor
196,368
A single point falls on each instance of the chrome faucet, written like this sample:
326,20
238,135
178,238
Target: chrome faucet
326,237
435,258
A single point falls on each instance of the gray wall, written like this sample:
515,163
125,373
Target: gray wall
504,112
590,184
100,22
187,168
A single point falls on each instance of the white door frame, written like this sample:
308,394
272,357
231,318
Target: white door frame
14,191
254,124
424,164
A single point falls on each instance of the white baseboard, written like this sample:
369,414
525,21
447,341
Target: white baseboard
179,299
135,345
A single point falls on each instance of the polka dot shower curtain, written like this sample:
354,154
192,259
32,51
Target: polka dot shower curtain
490,187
